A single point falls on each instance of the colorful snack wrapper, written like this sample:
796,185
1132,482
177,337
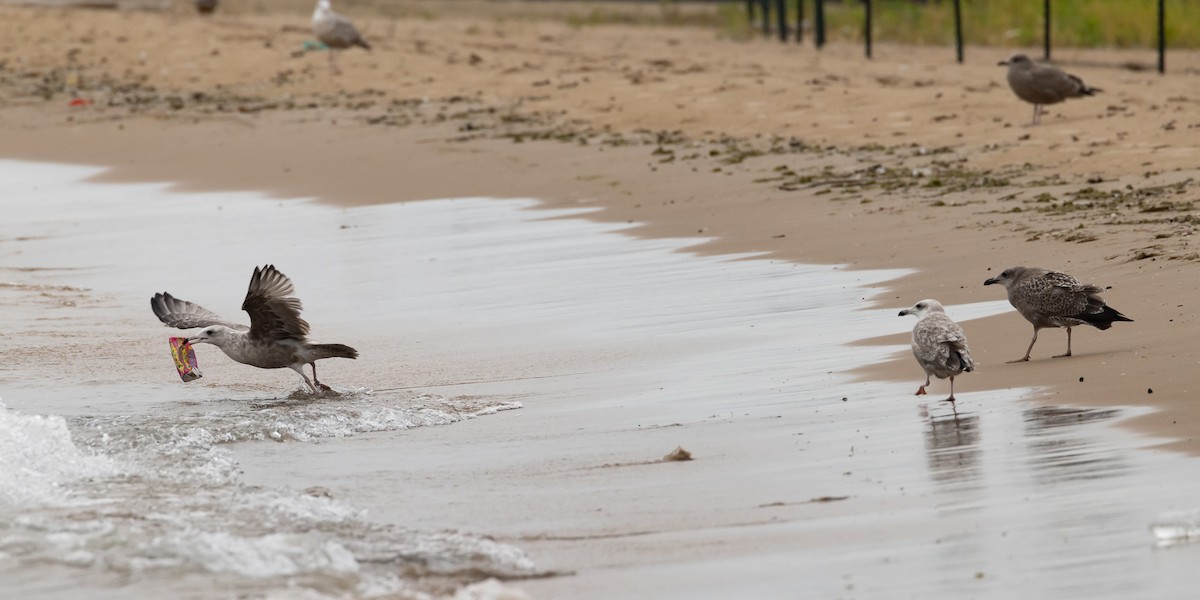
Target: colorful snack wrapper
185,359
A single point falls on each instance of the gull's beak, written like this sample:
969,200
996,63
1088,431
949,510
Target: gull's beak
1003,63
903,312
187,341
991,281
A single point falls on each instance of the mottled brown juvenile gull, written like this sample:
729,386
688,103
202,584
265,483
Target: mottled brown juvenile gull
939,344
335,31
1040,85
1051,299
275,338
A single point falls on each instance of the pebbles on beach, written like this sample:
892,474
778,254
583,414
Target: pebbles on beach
677,454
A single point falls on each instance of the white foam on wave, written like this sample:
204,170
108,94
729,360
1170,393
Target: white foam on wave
193,435
270,555
38,458
175,505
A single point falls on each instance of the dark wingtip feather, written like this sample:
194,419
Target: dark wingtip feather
158,304
1103,319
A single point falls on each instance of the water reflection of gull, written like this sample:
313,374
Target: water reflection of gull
952,449
1059,456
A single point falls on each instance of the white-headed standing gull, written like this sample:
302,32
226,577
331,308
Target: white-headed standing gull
335,31
939,344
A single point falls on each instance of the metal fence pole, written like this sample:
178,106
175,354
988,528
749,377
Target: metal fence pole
1162,37
781,19
819,22
958,35
867,25
750,11
1046,28
765,6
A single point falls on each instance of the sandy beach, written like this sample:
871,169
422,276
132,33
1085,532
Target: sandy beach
906,161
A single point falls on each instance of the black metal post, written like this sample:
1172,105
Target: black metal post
750,11
1046,29
799,21
958,36
766,16
867,26
819,22
781,19
1162,38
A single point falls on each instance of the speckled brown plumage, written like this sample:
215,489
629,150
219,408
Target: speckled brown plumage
939,344
1052,299
1040,85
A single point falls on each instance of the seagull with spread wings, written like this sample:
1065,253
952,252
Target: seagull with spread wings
275,338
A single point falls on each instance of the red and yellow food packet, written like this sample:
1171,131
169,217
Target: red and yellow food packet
185,359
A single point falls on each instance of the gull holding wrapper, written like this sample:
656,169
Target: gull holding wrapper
185,359
276,337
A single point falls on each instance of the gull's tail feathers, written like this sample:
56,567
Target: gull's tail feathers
320,351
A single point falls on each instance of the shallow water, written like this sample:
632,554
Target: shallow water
563,358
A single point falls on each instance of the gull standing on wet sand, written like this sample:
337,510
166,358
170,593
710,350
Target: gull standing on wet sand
939,344
335,31
1040,85
1051,299
275,338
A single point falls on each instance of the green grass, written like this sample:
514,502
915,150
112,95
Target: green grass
1079,23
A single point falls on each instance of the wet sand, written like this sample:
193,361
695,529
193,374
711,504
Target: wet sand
546,395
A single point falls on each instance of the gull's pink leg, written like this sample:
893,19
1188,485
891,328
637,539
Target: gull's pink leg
1068,346
1027,350
321,386
921,390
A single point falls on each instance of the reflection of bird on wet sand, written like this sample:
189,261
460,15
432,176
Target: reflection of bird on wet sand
1064,446
1050,299
952,448
939,344
275,338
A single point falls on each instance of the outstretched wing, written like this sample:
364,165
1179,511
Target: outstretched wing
274,312
186,315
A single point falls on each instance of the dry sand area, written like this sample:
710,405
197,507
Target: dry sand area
908,160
